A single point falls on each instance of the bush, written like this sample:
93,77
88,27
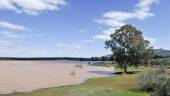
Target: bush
147,80
162,86
160,61
155,82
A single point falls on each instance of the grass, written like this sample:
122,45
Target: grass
84,92
115,82
122,85
125,85
140,68
103,65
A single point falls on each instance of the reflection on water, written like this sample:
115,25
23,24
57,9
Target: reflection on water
107,73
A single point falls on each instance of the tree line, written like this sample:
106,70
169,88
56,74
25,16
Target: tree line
103,58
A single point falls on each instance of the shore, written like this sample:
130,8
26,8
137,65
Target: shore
26,76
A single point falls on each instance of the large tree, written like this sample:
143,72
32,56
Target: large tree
128,46
148,54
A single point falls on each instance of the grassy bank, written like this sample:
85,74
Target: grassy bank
125,85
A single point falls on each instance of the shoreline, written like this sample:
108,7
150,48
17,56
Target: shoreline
28,76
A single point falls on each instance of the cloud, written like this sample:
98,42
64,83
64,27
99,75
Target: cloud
31,7
68,45
62,45
75,45
6,4
85,41
4,44
101,37
116,19
12,26
9,35
105,34
110,22
153,41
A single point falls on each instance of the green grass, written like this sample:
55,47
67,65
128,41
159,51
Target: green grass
103,65
125,85
139,68
115,82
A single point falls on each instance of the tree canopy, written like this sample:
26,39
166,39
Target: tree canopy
128,46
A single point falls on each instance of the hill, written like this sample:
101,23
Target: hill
158,53
162,53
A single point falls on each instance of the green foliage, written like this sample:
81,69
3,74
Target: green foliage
162,86
155,82
148,53
160,61
148,80
128,46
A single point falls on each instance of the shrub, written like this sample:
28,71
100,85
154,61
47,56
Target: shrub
147,80
162,86
155,82
160,61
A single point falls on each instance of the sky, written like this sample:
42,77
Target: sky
77,28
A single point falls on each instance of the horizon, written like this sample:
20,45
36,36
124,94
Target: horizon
69,28
18,57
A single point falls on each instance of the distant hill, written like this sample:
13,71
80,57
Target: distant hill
162,53
108,56
159,53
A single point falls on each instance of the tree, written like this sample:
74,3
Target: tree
147,55
103,58
128,46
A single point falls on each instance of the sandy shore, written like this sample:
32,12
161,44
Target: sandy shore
26,76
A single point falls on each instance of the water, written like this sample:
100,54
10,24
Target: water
26,76
74,62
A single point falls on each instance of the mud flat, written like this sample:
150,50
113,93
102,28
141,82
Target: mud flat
26,76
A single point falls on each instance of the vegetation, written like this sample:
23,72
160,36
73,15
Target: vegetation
128,46
156,82
106,86
147,55
136,69
160,61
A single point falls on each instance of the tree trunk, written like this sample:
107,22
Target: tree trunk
125,69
